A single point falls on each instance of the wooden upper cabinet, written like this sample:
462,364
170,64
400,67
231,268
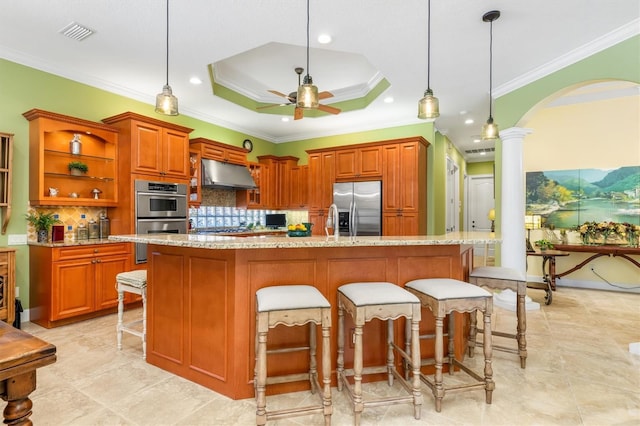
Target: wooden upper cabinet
359,163
155,148
50,181
219,151
322,175
299,187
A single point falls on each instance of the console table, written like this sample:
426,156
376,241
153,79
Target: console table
20,355
548,274
598,251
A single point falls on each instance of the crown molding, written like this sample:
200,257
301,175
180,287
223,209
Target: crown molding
601,43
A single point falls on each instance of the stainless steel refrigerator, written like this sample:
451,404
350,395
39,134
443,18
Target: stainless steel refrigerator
359,207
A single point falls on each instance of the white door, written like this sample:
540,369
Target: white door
479,201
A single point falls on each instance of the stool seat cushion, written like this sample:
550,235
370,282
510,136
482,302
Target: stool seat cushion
133,278
376,293
447,288
498,272
288,297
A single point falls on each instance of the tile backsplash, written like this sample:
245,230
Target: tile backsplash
70,217
218,210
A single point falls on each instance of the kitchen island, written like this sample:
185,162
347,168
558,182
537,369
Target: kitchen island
201,295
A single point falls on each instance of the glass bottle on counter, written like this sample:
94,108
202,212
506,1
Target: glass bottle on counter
94,230
83,232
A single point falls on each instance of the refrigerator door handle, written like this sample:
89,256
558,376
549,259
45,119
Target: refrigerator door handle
353,220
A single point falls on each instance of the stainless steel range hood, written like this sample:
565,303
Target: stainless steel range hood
216,174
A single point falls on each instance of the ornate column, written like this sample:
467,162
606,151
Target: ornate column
512,201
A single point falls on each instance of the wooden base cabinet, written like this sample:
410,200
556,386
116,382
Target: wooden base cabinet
7,284
73,283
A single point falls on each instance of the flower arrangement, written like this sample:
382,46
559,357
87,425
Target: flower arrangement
590,231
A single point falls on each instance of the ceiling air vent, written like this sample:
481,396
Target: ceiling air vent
76,31
478,151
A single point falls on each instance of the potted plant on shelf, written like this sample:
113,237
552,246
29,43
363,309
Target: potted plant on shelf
42,222
78,168
544,244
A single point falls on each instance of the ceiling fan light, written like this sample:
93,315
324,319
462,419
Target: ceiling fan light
428,106
166,103
307,95
490,131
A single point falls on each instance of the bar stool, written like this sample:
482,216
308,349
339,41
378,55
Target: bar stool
386,301
443,296
293,305
499,278
132,282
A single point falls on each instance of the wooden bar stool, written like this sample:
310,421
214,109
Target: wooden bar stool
132,282
385,301
499,278
443,296
293,305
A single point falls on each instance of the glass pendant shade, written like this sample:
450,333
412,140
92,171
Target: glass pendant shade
489,130
307,94
166,103
428,106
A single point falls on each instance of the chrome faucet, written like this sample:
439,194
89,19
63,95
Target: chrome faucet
332,221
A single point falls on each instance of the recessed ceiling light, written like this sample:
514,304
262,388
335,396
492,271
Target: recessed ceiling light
483,153
463,112
388,100
285,119
476,139
468,121
324,39
195,80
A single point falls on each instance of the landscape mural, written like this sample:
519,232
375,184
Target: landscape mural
567,198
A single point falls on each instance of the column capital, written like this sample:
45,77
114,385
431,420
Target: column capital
514,133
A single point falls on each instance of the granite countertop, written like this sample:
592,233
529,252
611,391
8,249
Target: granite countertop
72,243
273,241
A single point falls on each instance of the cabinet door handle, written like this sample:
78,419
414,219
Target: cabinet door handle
99,261
93,261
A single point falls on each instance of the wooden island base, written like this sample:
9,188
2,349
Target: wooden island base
201,304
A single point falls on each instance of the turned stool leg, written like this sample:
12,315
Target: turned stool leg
415,362
357,374
326,372
340,361
488,370
438,390
522,326
120,316
144,323
473,331
313,366
390,357
451,342
261,375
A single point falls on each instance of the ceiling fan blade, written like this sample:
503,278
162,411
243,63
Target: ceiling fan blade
271,106
325,95
298,113
329,109
275,92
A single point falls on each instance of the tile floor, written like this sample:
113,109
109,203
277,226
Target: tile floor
579,372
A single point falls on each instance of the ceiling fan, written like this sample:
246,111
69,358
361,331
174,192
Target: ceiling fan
291,98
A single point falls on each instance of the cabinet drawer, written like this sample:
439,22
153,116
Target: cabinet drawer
77,252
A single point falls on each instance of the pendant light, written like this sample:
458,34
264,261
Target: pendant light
490,129
428,106
307,93
166,103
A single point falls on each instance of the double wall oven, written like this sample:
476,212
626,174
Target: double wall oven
161,208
